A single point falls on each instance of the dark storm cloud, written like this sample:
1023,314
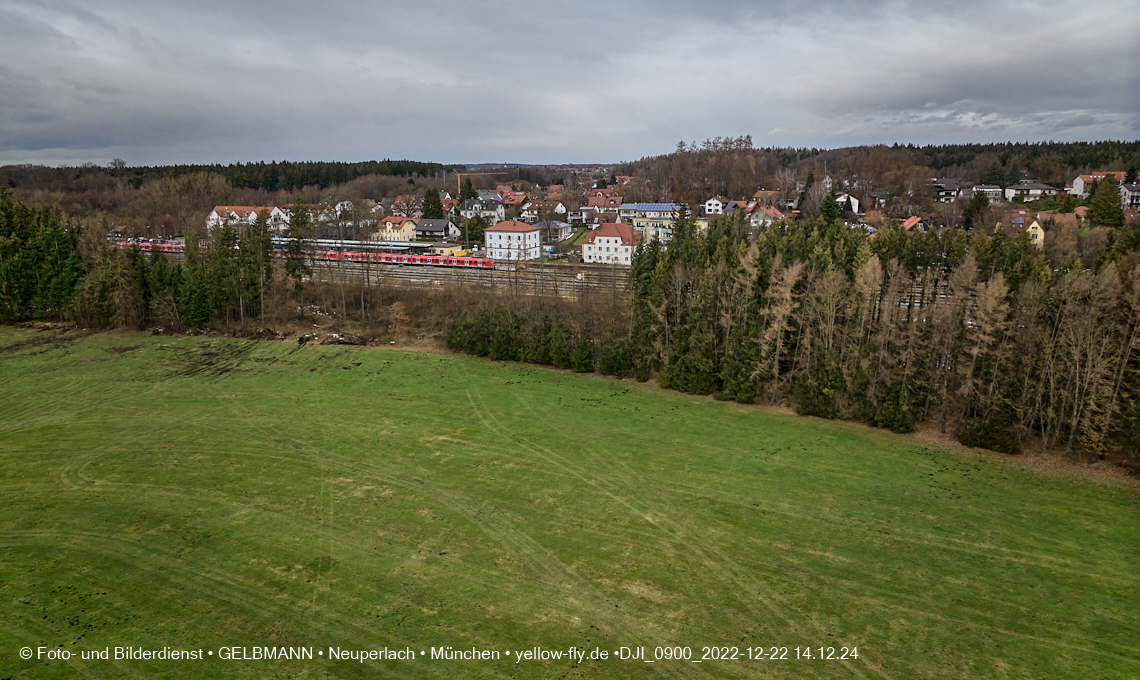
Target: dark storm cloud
496,81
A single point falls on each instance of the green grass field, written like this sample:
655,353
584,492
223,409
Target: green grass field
207,492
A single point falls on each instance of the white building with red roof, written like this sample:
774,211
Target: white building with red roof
513,240
1083,183
246,215
610,243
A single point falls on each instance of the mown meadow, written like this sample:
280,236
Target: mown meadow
200,492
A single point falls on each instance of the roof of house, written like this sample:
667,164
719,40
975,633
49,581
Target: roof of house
625,232
911,223
604,202
1097,176
512,226
1059,218
772,212
651,207
1027,185
515,198
432,225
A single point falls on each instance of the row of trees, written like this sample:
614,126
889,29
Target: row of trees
981,336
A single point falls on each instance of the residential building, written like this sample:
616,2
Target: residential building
1019,221
651,220
610,243
1130,196
913,223
992,191
766,215
945,188
715,205
491,211
852,202
767,197
604,204
437,230
554,231
246,215
1028,190
395,228
532,210
1082,185
513,240
879,199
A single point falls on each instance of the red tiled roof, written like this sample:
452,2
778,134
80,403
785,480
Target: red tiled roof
910,223
512,226
621,230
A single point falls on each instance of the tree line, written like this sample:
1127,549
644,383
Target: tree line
978,335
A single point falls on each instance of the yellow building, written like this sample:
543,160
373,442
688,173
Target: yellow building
395,229
1036,234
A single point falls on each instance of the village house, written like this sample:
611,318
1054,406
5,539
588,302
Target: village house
532,210
852,202
1130,196
246,215
1028,190
602,205
715,205
555,231
880,199
610,243
1019,221
913,223
1082,185
767,197
654,221
765,215
490,211
992,191
437,230
395,228
945,189
513,240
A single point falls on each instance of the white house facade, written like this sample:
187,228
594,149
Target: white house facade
513,240
715,205
610,243
246,215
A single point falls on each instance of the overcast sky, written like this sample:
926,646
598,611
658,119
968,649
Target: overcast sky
536,82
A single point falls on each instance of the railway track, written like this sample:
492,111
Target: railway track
562,280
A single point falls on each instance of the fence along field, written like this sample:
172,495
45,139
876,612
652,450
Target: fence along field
178,491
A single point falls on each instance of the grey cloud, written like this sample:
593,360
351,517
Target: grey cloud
545,82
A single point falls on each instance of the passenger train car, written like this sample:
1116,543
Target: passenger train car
320,250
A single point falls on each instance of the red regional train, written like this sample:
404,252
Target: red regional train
341,255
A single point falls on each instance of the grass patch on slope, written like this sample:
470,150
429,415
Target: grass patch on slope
190,492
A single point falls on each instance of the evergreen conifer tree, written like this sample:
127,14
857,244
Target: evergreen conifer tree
1104,208
433,207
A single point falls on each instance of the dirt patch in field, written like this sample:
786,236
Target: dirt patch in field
214,359
45,341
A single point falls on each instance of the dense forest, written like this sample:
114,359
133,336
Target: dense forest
174,200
